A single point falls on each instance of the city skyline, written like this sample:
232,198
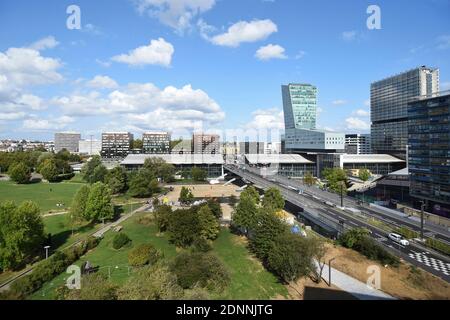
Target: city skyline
166,77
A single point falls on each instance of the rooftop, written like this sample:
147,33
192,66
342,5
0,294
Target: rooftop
276,158
139,159
370,158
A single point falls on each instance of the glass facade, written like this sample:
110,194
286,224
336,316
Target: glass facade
389,107
300,106
429,148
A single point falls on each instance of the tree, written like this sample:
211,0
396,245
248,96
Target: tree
137,144
268,228
198,174
317,250
116,179
186,195
21,233
183,227
273,200
215,207
143,254
364,174
154,282
20,173
290,258
337,179
162,216
78,211
88,169
99,206
252,193
49,170
99,174
143,184
245,214
208,224
159,168
309,179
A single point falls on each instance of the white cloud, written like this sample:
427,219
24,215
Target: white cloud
361,113
339,102
45,43
356,124
176,14
102,82
158,52
244,31
349,35
12,116
205,29
270,52
47,124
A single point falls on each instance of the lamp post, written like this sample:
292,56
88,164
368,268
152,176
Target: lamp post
342,194
422,207
329,271
46,251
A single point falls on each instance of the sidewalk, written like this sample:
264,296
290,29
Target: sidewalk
353,286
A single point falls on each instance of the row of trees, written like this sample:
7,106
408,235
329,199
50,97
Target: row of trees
53,167
286,254
140,184
21,233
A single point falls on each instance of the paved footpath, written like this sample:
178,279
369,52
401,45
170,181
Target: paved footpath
355,287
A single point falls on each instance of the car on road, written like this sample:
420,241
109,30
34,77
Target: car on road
398,238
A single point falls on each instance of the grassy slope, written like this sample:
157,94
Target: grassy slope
249,279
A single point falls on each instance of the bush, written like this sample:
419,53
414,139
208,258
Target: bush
406,232
143,254
203,270
201,245
183,227
120,240
50,268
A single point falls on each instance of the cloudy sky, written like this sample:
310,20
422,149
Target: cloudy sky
180,65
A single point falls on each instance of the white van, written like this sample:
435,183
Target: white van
398,238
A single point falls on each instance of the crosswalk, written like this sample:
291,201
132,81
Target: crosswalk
431,262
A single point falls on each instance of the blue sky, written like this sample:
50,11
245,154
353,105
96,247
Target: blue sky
177,65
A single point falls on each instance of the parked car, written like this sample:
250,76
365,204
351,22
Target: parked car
398,238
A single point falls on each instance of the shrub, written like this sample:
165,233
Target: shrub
204,270
143,254
201,245
406,232
438,245
120,240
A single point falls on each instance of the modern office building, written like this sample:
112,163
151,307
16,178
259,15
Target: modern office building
205,143
156,142
299,106
357,144
67,140
389,107
90,147
429,151
288,165
116,145
302,140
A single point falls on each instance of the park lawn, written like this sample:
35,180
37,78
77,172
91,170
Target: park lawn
249,280
46,195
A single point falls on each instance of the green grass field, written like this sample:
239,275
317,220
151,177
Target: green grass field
249,279
46,195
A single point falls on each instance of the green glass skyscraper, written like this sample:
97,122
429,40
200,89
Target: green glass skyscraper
300,106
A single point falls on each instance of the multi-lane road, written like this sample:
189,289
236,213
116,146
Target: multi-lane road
315,207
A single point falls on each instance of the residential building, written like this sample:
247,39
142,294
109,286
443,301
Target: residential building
429,151
300,106
116,145
389,107
156,142
90,147
205,143
67,140
357,144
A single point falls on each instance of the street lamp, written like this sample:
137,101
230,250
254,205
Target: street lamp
422,207
46,251
329,271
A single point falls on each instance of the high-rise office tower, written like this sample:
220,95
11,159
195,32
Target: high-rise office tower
357,144
389,107
300,106
156,142
67,140
429,151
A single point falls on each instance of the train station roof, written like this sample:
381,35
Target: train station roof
276,159
370,158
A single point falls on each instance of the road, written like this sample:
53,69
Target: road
416,255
